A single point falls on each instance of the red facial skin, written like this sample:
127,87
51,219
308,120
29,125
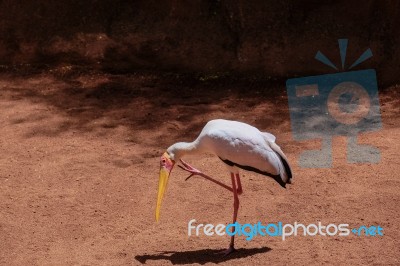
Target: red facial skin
166,162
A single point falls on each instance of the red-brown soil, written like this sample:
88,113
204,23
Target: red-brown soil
79,171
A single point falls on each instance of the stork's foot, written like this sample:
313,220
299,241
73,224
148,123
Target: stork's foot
227,251
187,167
193,171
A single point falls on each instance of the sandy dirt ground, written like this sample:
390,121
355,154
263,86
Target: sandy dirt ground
79,175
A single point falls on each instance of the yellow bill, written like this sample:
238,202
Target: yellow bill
162,186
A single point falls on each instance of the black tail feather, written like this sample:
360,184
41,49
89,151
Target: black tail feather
277,178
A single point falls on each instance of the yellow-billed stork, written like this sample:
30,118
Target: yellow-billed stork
239,146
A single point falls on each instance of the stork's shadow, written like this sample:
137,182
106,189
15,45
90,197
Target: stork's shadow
201,256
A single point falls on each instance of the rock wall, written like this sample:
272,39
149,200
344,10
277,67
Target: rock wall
272,38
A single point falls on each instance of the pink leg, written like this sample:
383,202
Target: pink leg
193,171
236,189
239,185
235,206
235,213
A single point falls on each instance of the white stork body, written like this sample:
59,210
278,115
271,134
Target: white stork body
238,145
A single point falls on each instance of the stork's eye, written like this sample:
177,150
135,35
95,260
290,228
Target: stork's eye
163,160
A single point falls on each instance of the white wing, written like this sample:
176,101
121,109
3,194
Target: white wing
269,136
242,144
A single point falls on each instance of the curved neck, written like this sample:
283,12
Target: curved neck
180,149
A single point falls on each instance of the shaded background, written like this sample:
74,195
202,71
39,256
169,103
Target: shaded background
93,92
270,38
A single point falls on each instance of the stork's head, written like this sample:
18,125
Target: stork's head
166,165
